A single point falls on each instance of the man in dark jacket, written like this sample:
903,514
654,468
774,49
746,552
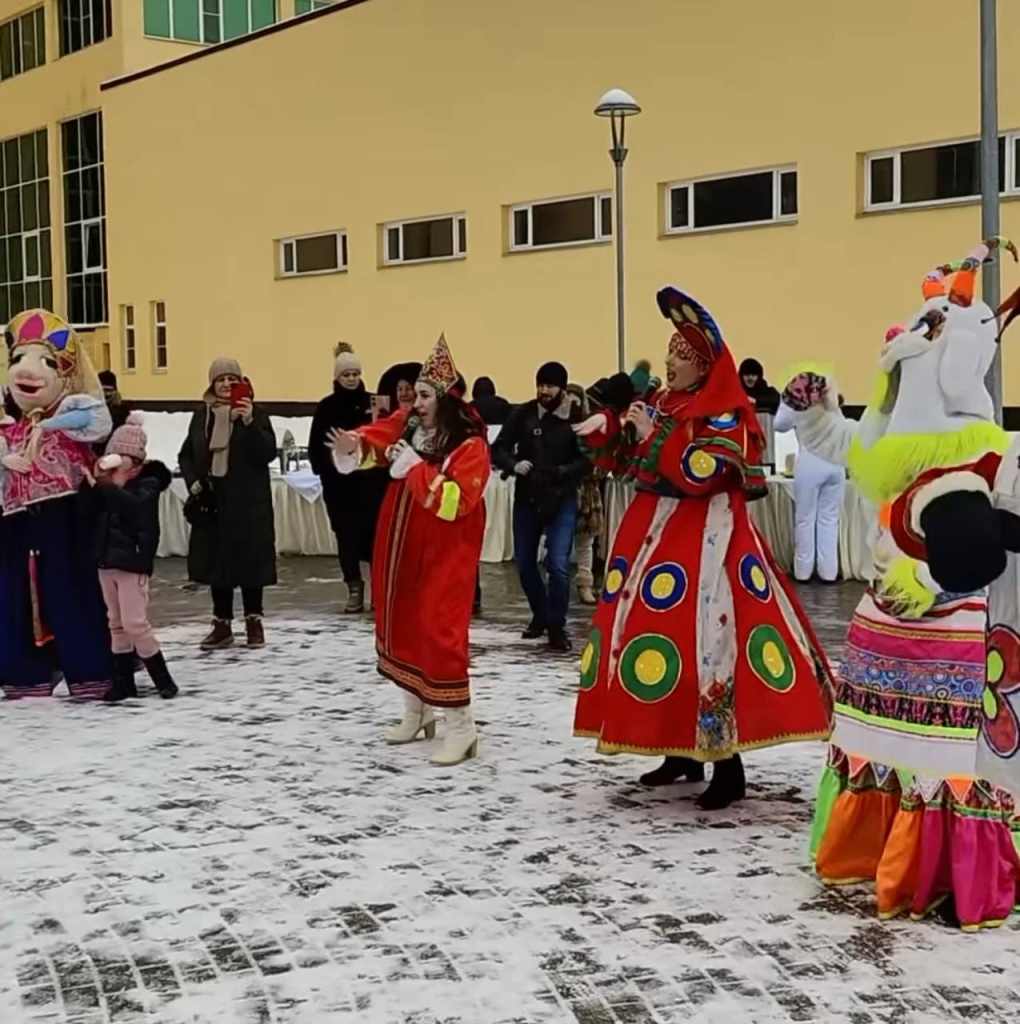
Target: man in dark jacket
538,446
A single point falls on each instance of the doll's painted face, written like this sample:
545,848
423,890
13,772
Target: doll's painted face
34,381
425,403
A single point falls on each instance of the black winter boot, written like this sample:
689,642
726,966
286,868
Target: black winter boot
534,631
559,641
160,676
123,678
674,769
727,785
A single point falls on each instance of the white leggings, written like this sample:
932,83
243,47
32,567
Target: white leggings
818,488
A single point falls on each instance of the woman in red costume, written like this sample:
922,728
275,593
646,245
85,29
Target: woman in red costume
427,546
698,648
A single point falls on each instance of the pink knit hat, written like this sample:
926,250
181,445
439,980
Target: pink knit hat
129,439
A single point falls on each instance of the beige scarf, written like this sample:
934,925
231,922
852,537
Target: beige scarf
219,439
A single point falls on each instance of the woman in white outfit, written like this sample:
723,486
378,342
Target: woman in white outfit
810,406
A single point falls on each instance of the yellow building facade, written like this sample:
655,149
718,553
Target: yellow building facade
419,143
54,55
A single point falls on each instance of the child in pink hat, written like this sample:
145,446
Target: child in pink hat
127,490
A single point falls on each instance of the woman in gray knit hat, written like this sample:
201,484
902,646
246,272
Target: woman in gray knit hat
225,463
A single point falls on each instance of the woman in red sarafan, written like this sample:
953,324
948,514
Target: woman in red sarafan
427,546
698,648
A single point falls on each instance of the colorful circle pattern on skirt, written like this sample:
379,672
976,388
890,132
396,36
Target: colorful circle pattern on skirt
650,667
770,658
616,574
590,660
664,586
753,578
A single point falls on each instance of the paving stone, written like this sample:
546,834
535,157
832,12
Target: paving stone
253,852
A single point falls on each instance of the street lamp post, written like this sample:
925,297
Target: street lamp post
990,179
618,105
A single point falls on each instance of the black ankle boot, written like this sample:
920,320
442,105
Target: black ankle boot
727,785
160,676
123,678
674,769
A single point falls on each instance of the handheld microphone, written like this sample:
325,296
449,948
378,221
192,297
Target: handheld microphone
630,431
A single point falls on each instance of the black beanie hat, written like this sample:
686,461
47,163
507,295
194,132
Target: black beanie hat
553,374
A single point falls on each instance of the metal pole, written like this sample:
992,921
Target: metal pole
621,344
619,155
990,179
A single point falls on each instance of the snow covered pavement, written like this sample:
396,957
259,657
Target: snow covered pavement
253,853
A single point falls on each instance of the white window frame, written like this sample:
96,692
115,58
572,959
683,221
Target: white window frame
601,234
128,339
1011,175
457,218
36,237
156,325
93,223
777,217
341,251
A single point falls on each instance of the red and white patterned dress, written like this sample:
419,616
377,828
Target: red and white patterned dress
698,647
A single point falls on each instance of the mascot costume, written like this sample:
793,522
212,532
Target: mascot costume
906,799
52,615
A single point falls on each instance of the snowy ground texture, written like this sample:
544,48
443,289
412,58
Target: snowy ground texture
252,853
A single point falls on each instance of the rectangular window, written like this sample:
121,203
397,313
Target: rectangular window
23,43
160,352
579,220
737,200
313,254
206,21
84,23
930,175
129,350
85,220
26,274
420,241
305,6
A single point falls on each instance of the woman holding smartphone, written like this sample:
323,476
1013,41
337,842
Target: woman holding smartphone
225,463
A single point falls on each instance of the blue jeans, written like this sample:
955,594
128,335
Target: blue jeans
549,608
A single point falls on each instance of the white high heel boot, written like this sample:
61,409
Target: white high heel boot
461,740
418,718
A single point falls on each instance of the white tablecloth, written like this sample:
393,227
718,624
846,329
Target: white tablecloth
302,526
773,515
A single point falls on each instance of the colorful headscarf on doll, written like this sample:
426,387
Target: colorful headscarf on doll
439,370
41,327
697,338
804,390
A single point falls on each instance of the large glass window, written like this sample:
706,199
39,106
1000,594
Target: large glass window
421,241
561,222
85,219
23,43
756,197
83,23
929,175
26,275
207,21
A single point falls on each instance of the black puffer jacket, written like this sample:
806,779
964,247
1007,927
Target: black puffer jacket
127,520
547,441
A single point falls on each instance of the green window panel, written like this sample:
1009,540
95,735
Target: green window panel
304,6
235,19
157,18
263,13
186,20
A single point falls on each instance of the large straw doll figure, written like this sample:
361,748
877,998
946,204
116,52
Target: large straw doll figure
52,615
903,800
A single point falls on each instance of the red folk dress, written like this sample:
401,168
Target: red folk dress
427,546
698,647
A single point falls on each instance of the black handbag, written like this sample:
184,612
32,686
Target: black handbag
200,509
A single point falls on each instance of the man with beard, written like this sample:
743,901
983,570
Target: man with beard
538,446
